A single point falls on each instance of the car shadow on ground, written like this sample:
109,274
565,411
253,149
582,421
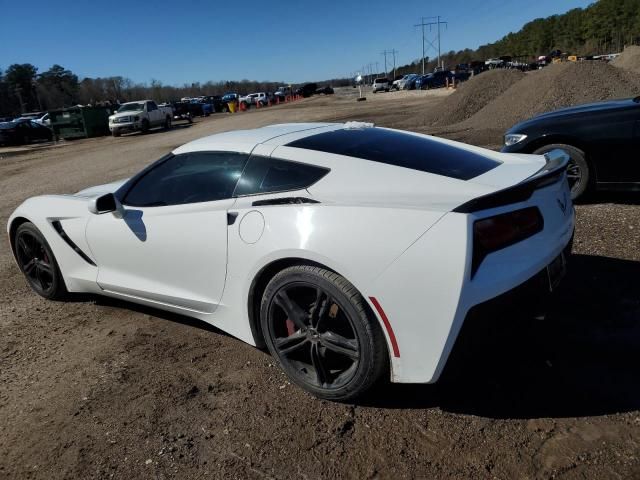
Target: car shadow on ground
583,359
617,197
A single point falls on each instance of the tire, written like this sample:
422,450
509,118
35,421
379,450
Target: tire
336,351
145,126
37,262
116,133
579,172
167,123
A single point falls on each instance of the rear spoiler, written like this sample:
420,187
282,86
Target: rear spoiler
553,170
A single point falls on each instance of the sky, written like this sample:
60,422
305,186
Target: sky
184,41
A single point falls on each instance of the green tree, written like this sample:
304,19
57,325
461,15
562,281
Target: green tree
21,81
58,87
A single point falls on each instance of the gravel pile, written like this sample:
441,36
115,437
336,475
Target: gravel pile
556,86
629,59
473,95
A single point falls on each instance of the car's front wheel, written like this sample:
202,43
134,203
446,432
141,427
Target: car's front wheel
37,262
578,172
319,329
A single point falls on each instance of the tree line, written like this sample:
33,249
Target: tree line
605,26
23,89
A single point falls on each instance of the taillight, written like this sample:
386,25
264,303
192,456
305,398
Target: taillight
494,233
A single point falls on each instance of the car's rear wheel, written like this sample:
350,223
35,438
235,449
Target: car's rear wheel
319,329
37,262
578,171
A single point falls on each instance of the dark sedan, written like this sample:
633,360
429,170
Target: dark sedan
602,139
23,132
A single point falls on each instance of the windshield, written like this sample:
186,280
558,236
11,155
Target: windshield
131,107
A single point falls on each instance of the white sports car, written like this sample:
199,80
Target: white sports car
351,252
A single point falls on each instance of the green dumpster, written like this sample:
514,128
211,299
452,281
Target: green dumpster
80,122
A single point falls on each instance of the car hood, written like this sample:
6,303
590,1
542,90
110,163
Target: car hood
99,190
128,113
580,109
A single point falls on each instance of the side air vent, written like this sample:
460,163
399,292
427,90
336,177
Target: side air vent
58,227
283,201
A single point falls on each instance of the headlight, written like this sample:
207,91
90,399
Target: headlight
513,138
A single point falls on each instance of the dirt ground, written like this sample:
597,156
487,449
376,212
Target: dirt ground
100,389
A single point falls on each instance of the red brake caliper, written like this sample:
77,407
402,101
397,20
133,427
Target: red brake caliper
290,327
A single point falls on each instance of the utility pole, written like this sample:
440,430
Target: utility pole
437,23
385,62
377,72
422,25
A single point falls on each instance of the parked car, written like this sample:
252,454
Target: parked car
140,116
602,140
380,85
402,83
282,92
23,132
182,111
215,101
434,80
247,242
39,117
307,90
324,91
494,63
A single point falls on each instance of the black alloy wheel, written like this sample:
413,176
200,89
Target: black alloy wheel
36,260
317,326
578,172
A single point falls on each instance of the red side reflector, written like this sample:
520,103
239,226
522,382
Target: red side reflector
387,325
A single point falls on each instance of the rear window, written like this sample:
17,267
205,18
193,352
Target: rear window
380,80
400,149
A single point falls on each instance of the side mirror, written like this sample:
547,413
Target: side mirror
105,204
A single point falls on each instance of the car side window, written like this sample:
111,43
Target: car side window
188,178
268,175
151,106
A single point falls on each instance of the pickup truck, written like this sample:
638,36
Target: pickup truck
254,99
140,116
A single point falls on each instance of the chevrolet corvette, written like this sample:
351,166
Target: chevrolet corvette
353,253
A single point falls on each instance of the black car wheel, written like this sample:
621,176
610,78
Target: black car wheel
37,262
317,326
167,123
145,126
578,171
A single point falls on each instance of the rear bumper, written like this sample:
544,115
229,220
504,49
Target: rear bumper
530,298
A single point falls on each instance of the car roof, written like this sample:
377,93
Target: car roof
245,140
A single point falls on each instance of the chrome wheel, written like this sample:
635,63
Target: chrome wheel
313,336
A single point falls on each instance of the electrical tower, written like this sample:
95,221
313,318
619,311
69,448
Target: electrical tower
436,23
390,52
